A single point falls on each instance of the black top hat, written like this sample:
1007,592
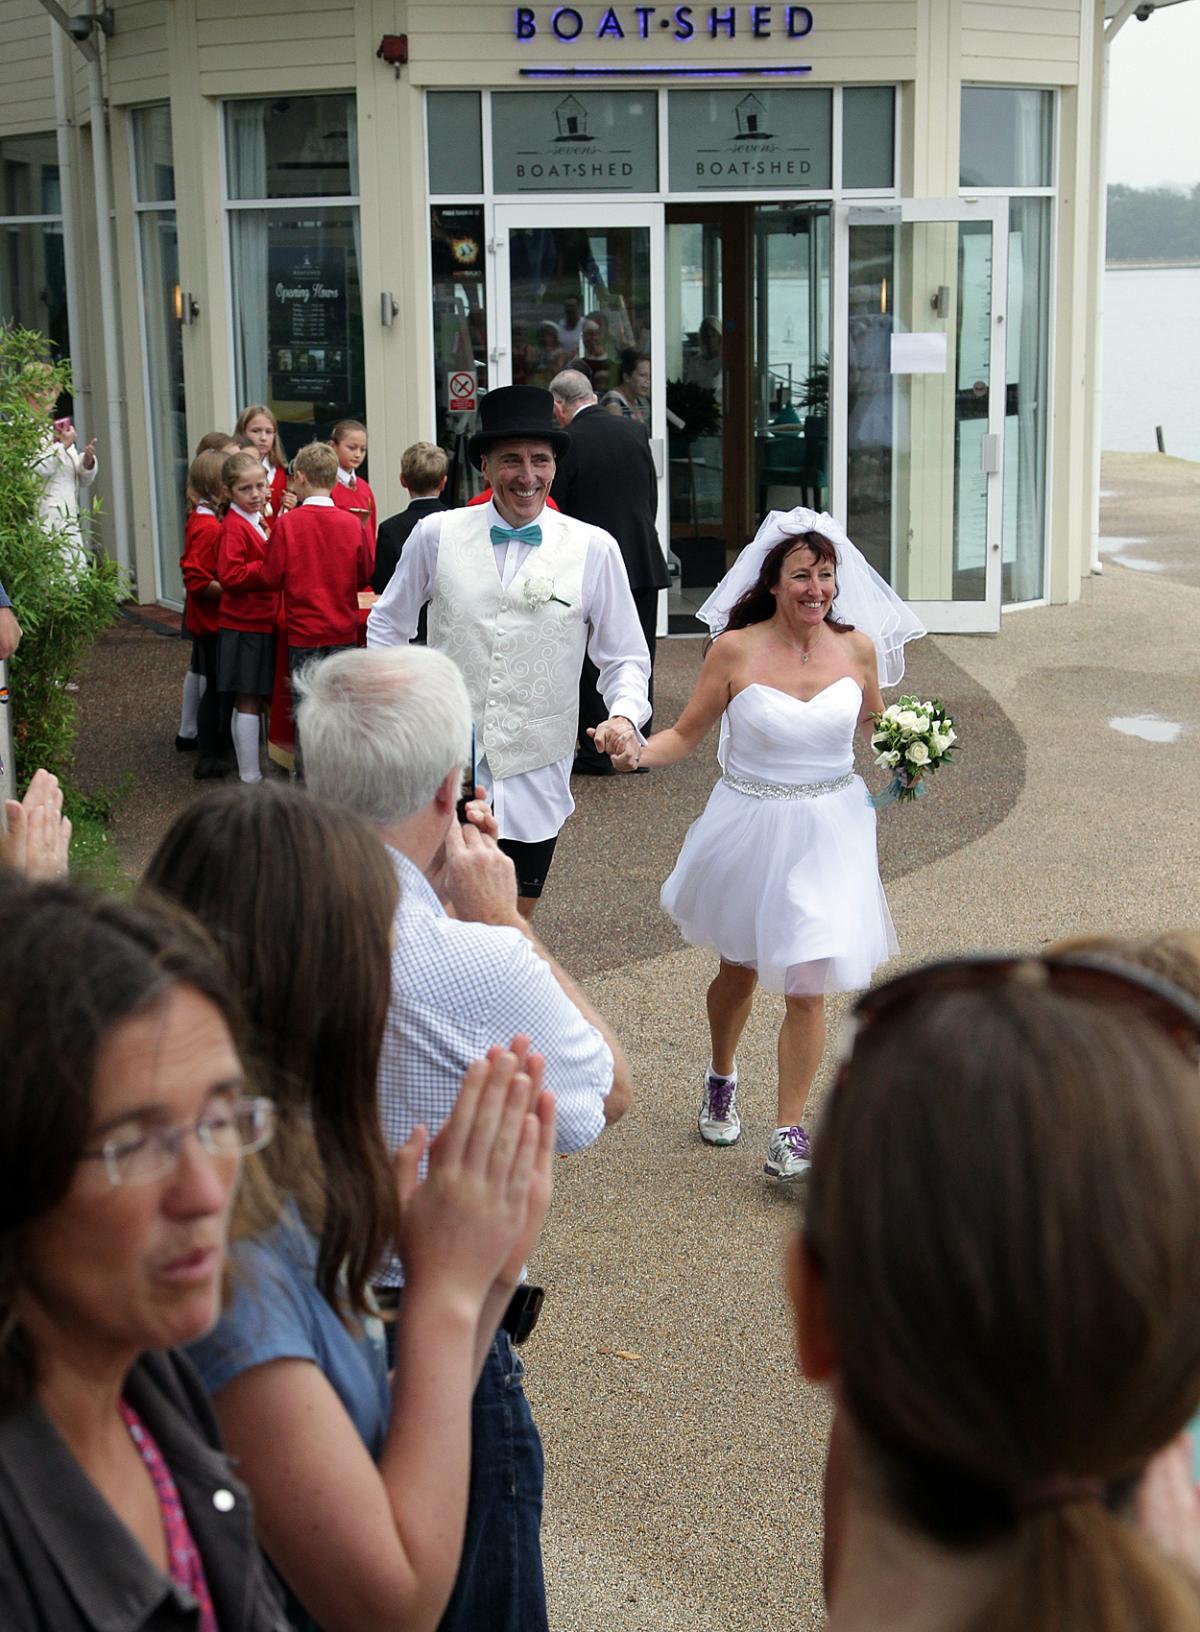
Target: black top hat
525,411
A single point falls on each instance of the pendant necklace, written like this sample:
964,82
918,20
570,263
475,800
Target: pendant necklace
804,654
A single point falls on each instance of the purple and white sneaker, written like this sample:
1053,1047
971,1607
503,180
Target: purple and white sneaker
789,1154
719,1122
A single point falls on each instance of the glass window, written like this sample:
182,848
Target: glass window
30,168
868,136
759,139
590,142
460,337
455,126
153,161
298,330
166,406
291,147
1026,419
1007,137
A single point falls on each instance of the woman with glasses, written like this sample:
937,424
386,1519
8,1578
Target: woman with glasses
360,1488
996,1277
123,1121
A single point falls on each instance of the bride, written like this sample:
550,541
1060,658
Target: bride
779,875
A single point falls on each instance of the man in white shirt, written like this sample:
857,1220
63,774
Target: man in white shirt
380,732
518,593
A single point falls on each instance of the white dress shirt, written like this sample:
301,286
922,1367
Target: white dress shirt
533,805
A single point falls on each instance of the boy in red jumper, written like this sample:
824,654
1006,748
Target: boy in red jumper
349,441
246,638
198,564
320,557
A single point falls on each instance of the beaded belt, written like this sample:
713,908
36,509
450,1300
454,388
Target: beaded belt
787,790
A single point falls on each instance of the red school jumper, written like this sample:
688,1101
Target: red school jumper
356,495
320,556
198,563
247,603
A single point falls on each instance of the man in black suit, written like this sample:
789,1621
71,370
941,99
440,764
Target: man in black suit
607,478
423,474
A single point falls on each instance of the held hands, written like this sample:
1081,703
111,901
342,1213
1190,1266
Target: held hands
489,1180
39,835
617,737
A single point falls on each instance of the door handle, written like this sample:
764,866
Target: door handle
989,455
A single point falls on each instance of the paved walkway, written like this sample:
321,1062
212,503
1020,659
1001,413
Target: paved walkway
683,1453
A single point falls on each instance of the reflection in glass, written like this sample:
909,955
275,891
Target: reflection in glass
153,161
870,394
973,347
165,404
33,280
581,299
455,135
297,301
30,172
460,336
292,147
1025,410
1007,137
868,136
696,366
791,364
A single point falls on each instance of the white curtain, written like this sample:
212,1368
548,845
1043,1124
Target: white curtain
246,145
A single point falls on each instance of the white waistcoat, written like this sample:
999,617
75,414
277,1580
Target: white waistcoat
520,651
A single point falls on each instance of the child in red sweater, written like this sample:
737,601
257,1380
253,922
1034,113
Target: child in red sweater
246,635
258,425
201,539
349,441
320,557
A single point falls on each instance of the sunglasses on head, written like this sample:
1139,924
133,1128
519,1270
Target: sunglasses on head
1102,980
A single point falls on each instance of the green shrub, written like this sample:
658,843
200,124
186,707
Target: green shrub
60,608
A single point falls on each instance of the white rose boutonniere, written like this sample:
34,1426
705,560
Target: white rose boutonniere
539,592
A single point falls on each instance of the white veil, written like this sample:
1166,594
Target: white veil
863,598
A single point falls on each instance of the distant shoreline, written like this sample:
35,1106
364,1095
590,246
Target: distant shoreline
1150,266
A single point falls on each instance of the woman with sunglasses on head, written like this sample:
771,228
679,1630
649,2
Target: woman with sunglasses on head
123,1122
360,1489
996,1278
779,874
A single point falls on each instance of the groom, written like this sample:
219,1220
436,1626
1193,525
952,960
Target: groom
517,594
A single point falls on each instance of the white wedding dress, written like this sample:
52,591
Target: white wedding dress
780,871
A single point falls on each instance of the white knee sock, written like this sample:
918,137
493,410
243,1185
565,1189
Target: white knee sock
245,746
189,713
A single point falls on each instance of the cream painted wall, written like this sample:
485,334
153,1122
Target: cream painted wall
194,52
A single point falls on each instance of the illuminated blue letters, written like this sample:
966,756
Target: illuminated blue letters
610,27
643,15
559,18
726,19
683,26
760,21
525,24
799,22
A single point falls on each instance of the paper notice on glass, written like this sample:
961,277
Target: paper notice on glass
919,353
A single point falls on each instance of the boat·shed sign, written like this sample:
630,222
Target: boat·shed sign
571,25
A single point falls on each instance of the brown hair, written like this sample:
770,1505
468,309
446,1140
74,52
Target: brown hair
278,457
214,442
238,464
206,479
343,428
318,462
1005,1209
73,966
422,467
299,895
758,604
1174,954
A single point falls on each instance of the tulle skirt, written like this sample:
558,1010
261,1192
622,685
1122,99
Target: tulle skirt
788,887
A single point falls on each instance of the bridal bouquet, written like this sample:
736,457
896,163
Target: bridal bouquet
911,739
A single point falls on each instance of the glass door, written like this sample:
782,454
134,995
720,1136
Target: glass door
580,286
919,401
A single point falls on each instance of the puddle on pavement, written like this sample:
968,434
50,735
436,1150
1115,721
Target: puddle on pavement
1118,541
1148,727
1137,563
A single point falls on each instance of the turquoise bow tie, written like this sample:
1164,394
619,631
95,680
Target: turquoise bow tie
523,535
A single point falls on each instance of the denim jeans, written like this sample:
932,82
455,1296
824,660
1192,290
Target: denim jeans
499,1587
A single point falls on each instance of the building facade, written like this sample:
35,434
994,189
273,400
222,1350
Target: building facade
843,254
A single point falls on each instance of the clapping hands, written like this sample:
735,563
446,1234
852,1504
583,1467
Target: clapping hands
39,835
480,1210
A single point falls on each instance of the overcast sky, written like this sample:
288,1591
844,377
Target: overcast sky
1154,100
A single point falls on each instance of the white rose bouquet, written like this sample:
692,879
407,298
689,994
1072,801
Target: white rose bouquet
911,739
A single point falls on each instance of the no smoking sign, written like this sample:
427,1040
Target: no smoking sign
463,396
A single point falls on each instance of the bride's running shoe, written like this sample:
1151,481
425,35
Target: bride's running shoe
789,1154
719,1122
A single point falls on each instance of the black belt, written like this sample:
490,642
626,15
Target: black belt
520,1317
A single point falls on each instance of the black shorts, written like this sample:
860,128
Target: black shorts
532,862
